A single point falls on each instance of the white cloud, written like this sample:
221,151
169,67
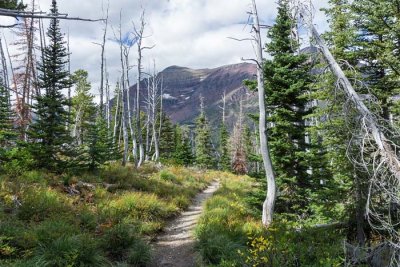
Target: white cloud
190,33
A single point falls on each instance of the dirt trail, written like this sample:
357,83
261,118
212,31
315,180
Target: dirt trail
175,247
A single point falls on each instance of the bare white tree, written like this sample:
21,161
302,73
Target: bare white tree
269,203
373,149
139,33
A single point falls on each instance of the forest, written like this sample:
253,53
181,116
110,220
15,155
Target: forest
103,176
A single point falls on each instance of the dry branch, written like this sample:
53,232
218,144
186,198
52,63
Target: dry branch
41,15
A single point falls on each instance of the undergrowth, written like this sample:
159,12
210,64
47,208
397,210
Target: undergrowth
230,233
101,219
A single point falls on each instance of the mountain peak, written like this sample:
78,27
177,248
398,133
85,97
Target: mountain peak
183,87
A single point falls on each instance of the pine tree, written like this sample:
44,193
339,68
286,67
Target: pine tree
83,112
287,79
7,131
50,137
100,144
183,151
378,45
204,149
167,139
348,185
225,160
12,4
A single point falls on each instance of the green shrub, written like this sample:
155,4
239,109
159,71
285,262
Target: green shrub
88,219
33,177
139,255
167,176
215,246
53,229
18,161
118,239
39,204
137,205
14,237
77,250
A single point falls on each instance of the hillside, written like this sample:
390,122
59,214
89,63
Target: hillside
184,86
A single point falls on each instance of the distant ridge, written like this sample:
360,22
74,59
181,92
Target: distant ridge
184,86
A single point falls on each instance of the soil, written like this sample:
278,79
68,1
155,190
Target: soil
175,246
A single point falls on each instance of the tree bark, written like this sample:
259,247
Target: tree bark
269,203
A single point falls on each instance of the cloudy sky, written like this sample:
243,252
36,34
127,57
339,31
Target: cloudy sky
190,33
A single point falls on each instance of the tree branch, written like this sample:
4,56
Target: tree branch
41,15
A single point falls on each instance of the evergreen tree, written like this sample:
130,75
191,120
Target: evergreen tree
346,185
204,149
378,48
83,112
287,79
7,131
225,160
183,151
12,4
100,145
167,139
50,137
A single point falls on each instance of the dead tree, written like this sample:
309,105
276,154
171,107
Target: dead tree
148,121
40,15
155,99
102,64
269,203
223,99
125,116
239,165
139,34
117,107
373,149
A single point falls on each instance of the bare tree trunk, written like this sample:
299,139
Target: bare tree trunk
103,45
148,121
269,203
4,66
124,96
69,86
384,147
124,128
116,113
132,133
140,35
223,107
108,113
161,104
154,99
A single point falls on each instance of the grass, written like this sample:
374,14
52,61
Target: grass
42,224
230,233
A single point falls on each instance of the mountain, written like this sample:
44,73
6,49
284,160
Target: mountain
182,88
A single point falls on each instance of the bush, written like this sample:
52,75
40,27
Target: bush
117,240
122,242
139,255
77,250
33,177
53,229
17,161
167,176
137,205
39,204
215,246
14,238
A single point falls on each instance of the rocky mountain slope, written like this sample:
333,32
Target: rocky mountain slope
183,88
